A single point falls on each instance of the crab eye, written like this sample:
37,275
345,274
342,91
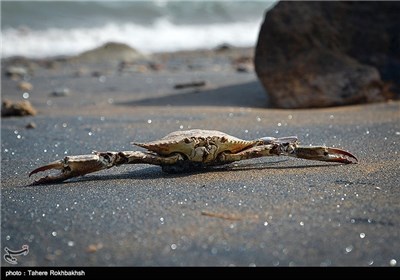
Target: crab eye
107,157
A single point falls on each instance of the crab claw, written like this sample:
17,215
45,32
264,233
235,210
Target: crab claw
324,154
74,166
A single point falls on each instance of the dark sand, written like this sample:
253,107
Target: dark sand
263,212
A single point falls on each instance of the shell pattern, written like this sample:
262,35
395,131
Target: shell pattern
198,145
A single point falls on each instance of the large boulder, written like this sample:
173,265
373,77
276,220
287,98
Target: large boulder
319,54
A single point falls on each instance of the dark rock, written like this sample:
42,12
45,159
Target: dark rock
191,84
58,92
223,47
30,125
318,54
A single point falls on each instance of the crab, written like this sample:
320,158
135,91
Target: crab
183,151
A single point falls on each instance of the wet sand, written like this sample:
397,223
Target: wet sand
262,212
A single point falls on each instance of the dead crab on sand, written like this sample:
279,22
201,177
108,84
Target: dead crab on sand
182,151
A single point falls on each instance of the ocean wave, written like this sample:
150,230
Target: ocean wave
162,35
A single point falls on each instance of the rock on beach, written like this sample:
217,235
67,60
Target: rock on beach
19,108
320,54
109,53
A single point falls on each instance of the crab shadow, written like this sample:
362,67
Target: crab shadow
155,172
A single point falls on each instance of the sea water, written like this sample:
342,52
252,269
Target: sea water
41,29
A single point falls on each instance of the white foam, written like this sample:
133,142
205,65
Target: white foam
161,36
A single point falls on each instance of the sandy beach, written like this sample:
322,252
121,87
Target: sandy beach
262,212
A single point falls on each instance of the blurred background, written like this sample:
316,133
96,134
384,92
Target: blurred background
39,29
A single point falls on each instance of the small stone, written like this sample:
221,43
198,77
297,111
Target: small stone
244,68
59,92
16,71
97,74
93,248
81,72
223,47
155,66
21,108
25,86
30,125
50,257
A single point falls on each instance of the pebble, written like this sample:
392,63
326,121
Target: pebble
21,108
92,248
59,92
18,71
25,86
30,125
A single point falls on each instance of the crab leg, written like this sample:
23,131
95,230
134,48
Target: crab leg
75,166
323,153
253,152
69,167
279,148
289,146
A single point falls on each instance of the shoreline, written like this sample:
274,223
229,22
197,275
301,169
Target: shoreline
116,74
101,52
201,77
